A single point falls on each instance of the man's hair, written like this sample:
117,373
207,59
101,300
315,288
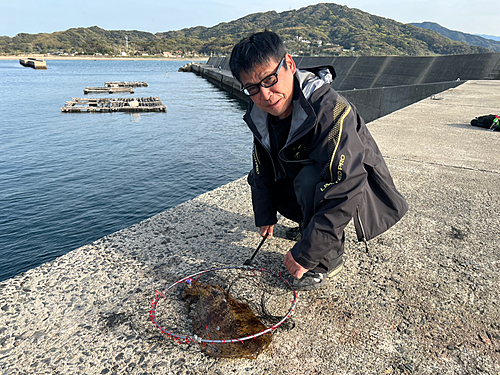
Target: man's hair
256,49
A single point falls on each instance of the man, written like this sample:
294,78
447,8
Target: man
314,160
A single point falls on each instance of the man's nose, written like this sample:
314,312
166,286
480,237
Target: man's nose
266,93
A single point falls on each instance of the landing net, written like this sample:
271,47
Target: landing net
268,294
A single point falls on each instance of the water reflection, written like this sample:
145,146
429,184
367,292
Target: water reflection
135,117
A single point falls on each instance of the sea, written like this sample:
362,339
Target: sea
68,179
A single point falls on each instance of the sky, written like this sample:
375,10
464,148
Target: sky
47,16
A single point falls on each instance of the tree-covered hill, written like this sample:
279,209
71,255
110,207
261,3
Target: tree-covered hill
83,40
321,29
333,25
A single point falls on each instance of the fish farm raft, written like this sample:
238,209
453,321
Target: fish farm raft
126,84
148,104
108,89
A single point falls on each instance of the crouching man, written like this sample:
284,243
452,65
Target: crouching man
314,160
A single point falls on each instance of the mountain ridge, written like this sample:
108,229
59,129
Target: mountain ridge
459,36
323,29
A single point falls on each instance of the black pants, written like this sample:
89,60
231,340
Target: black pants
294,199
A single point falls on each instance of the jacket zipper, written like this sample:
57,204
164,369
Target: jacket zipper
362,229
270,157
278,154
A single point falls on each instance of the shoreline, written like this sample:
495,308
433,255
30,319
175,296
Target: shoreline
51,57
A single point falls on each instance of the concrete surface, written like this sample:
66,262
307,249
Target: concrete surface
377,102
422,300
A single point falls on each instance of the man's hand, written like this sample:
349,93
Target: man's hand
295,269
267,230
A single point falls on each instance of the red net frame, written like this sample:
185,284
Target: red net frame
186,339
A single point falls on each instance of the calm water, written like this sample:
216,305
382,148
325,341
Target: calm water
67,179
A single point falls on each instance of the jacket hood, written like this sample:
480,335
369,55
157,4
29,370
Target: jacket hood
311,80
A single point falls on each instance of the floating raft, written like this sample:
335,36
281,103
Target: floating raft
34,63
148,104
126,84
109,90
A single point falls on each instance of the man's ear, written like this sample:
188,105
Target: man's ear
290,63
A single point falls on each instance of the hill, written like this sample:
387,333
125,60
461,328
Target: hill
458,36
321,29
88,40
334,25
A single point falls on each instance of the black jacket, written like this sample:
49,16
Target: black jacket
326,131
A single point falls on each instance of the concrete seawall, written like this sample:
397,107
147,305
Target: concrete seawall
423,300
385,71
380,85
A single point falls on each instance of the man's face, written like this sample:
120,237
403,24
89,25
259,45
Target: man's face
277,99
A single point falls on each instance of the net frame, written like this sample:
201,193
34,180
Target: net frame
185,339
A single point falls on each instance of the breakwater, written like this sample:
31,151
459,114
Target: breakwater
379,85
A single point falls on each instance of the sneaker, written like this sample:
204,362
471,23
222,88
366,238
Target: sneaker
310,281
315,280
294,234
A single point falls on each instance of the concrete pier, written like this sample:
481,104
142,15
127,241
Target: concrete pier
423,300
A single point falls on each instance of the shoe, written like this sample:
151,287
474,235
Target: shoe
310,281
294,234
315,280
